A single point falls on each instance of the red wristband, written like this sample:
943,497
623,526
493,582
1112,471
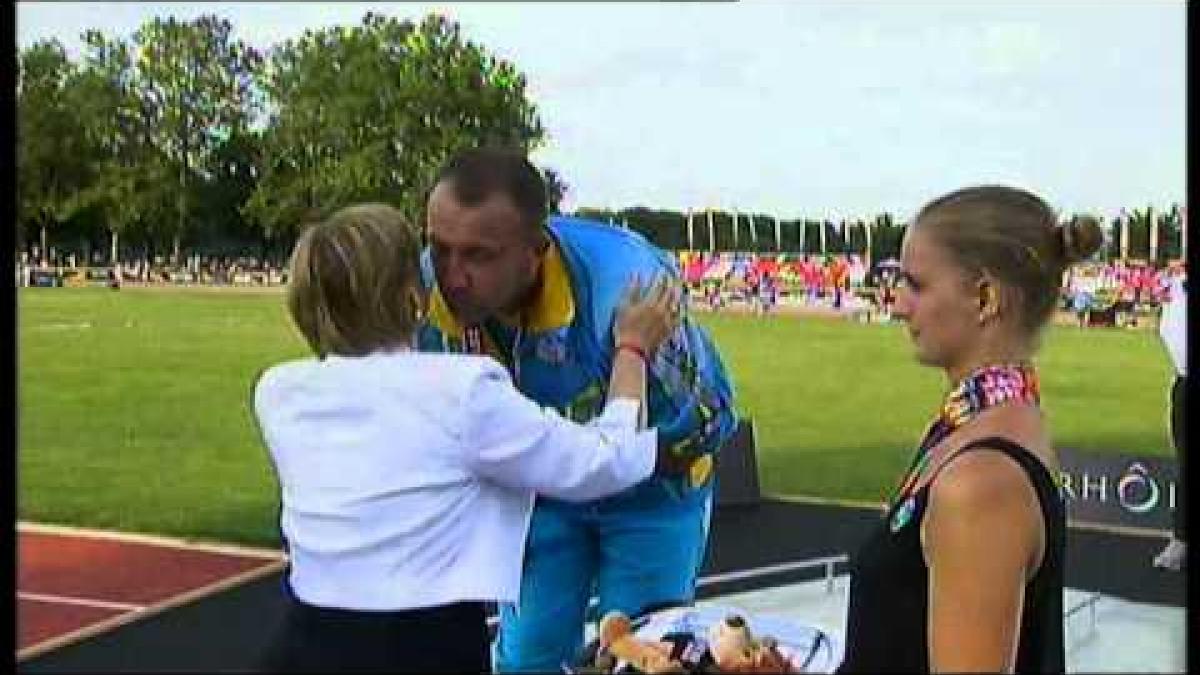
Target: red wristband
635,349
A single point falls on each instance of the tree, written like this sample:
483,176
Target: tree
886,237
50,169
128,179
1139,233
556,190
1171,233
197,84
236,164
370,112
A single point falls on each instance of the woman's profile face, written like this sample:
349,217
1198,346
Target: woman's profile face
936,300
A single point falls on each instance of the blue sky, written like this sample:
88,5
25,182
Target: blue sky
804,108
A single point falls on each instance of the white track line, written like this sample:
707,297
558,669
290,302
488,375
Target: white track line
84,602
154,540
122,619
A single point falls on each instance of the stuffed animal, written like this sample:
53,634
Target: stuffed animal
736,651
731,649
617,640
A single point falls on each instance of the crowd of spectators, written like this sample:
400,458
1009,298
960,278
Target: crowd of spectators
1098,294
764,282
69,270
1116,293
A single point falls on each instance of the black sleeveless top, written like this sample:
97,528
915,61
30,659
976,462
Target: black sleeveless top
887,619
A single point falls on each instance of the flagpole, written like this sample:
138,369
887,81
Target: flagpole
712,233
778,236
1153,235
867,256
1124,239
733,224
691,232
753,232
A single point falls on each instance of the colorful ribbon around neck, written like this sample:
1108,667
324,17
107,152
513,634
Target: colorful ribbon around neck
983,388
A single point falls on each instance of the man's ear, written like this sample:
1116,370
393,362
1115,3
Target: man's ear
541,241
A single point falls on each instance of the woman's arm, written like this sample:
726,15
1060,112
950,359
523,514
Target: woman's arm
515,442
510,440
645,319
981,536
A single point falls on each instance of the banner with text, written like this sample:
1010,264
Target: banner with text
1118,489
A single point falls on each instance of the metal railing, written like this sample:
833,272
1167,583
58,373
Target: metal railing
1089,603
828,562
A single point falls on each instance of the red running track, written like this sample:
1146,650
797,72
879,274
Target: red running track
73,584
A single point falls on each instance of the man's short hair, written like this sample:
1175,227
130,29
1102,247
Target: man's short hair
477,174
353,281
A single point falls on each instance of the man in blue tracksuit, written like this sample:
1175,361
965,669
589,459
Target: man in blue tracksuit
539,294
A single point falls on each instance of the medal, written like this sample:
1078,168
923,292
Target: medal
982,389
552,348
904,513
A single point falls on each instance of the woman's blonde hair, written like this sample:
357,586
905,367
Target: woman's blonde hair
1017,238
353,281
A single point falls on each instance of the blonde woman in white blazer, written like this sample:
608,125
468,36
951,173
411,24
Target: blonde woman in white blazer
408,478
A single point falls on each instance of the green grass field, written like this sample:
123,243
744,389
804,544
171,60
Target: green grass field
134,406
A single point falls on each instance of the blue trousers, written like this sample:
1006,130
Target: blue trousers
634,551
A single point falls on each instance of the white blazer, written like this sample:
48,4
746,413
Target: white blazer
408,478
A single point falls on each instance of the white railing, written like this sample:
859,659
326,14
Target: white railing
828,562
1088,603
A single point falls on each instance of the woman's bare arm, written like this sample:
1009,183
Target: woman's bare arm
980,537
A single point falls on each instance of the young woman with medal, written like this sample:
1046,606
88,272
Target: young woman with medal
965,572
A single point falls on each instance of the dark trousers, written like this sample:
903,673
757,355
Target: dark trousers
1178,424
445,639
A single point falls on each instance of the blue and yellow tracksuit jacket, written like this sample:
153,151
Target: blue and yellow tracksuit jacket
562,355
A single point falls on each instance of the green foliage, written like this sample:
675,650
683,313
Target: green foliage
50,166
130,180
668,229
196,82
372,111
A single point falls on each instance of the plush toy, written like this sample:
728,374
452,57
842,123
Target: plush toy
731,649
617,640
736,651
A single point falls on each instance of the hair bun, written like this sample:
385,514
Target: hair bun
1081,236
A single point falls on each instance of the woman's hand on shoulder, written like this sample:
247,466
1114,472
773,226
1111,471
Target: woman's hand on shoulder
647,316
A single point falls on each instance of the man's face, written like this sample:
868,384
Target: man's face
485,256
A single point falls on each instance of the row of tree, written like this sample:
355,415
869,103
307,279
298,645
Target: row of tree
183,136
1128,235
